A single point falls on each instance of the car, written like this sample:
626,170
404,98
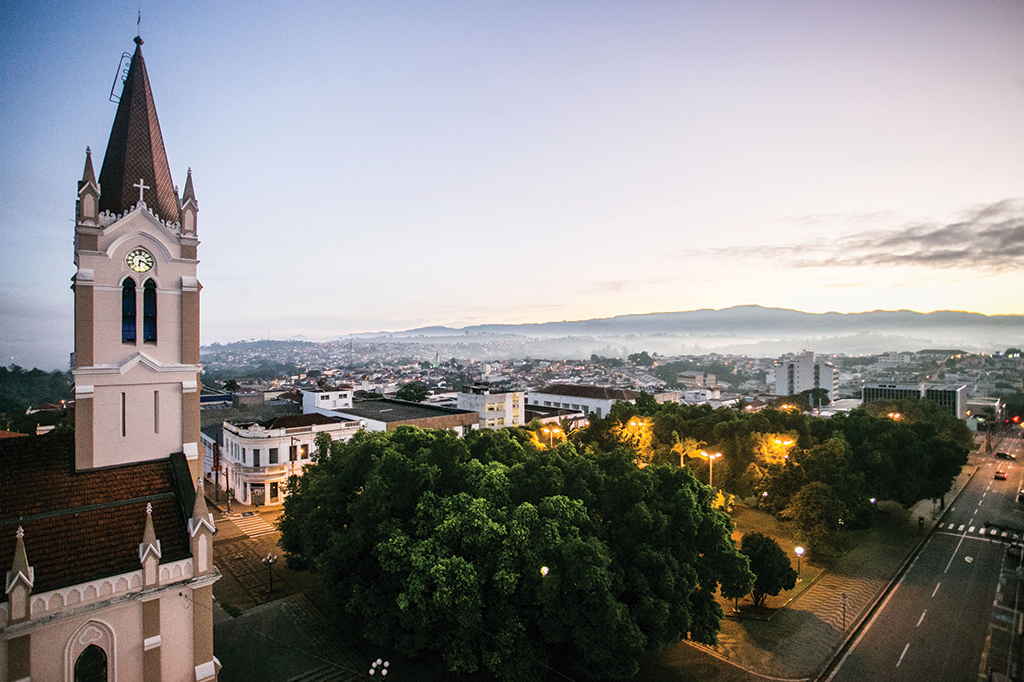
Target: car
1001,475
1005,455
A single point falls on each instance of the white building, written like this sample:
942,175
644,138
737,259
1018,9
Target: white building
591,400
804,373
323,401
497,410
256,459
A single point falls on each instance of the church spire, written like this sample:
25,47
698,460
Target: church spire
136,163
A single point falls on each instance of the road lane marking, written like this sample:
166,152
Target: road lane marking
961,527
983,495
921,618
936,588
957,549
971,529
903,654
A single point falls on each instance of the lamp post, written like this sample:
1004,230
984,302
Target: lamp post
551,434
270,560
380,665
799,553
711,465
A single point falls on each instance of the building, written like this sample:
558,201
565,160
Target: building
693,380
497,409
952,398
325,400
388,414
591,400
804,373
256,459
107,544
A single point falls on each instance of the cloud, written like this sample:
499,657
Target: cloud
986,239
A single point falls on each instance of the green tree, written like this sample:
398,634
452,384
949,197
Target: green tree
816,514
414,391
521,561
231,386
770,564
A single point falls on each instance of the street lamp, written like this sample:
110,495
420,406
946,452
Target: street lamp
711,465
551,434
380,665
270,560
799,553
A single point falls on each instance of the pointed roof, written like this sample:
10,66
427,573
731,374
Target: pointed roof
20,570
149,542
201,516
88,176
189,192
136,151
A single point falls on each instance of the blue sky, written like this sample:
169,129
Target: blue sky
384,165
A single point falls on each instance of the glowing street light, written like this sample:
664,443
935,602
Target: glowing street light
799,553
711,465
895,416
551,434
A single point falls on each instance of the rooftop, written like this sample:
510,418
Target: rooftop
80,526
388,410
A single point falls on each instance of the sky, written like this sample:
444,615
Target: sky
378,165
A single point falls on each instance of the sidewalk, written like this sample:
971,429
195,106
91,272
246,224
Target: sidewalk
801,638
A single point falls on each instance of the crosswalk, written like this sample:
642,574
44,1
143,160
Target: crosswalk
984,531
254,526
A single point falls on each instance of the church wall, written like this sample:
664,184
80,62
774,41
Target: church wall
176,641
150,432
116,629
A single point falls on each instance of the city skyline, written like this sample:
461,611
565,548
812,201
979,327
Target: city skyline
382,167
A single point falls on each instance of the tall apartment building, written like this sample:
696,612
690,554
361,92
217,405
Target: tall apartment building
804,373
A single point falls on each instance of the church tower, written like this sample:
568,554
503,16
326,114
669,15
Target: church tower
136,361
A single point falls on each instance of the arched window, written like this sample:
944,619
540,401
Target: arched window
91,665
128,311
149,311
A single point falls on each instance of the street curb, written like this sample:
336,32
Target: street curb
862,620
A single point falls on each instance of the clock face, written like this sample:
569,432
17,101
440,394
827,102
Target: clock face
139,260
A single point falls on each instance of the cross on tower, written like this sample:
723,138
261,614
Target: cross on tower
141,185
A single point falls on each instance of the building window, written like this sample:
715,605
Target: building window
325,397
149,311
128,311
124,415
273,456
91,665
273,491
256,457
156,411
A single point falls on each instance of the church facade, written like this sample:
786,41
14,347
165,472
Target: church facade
105,533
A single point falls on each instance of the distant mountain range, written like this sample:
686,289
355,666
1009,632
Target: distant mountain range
750,330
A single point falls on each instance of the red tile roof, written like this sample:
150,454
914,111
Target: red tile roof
81,526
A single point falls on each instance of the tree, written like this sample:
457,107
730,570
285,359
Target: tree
415,391
521,561
770,564
816,514
231,386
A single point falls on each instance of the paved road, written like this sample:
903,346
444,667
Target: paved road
954,614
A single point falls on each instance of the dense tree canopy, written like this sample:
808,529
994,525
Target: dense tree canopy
498,555
773,455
